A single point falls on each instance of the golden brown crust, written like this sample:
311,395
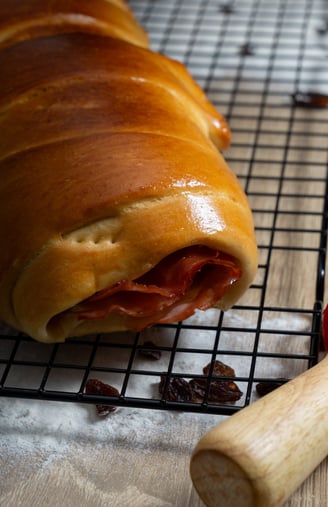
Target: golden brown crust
74,95
131,242
23,20
108,163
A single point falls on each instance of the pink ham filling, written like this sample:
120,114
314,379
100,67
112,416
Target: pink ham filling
193,278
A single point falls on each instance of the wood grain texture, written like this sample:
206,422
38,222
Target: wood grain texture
117,477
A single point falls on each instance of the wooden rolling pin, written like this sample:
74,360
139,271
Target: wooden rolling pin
261,455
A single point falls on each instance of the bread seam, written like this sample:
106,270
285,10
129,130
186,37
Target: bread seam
103,133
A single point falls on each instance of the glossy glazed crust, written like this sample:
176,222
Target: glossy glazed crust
109,162
22,20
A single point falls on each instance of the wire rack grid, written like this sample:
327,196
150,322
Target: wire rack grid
264,65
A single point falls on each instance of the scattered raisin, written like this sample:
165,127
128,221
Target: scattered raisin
263,388
178,389
323,29
227,8
220,391
150,350
94,386
310,99
219,369
103,410
247,49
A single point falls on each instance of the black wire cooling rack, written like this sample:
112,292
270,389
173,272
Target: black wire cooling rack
264,65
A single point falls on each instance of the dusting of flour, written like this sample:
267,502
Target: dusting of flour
50,430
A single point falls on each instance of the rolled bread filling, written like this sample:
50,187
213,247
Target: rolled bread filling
195,277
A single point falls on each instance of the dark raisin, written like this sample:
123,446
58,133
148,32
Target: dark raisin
219,369
227,8
178,389
323,28
220,391
310,99
247,49
263,388
94,386
150,350
103,410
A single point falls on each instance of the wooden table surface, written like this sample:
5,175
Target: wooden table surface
140,471
148,464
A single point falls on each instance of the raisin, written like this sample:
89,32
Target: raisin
151,351
247,49
219,369
178,389
94,386
323,29
220,391
227,8
310,99
103,410
263,388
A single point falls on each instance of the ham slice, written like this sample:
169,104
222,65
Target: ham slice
193,278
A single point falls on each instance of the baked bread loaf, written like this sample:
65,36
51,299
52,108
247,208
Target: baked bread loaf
118,210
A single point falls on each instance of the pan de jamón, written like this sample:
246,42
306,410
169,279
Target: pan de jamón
118,210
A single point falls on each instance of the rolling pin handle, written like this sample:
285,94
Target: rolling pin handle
259,456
